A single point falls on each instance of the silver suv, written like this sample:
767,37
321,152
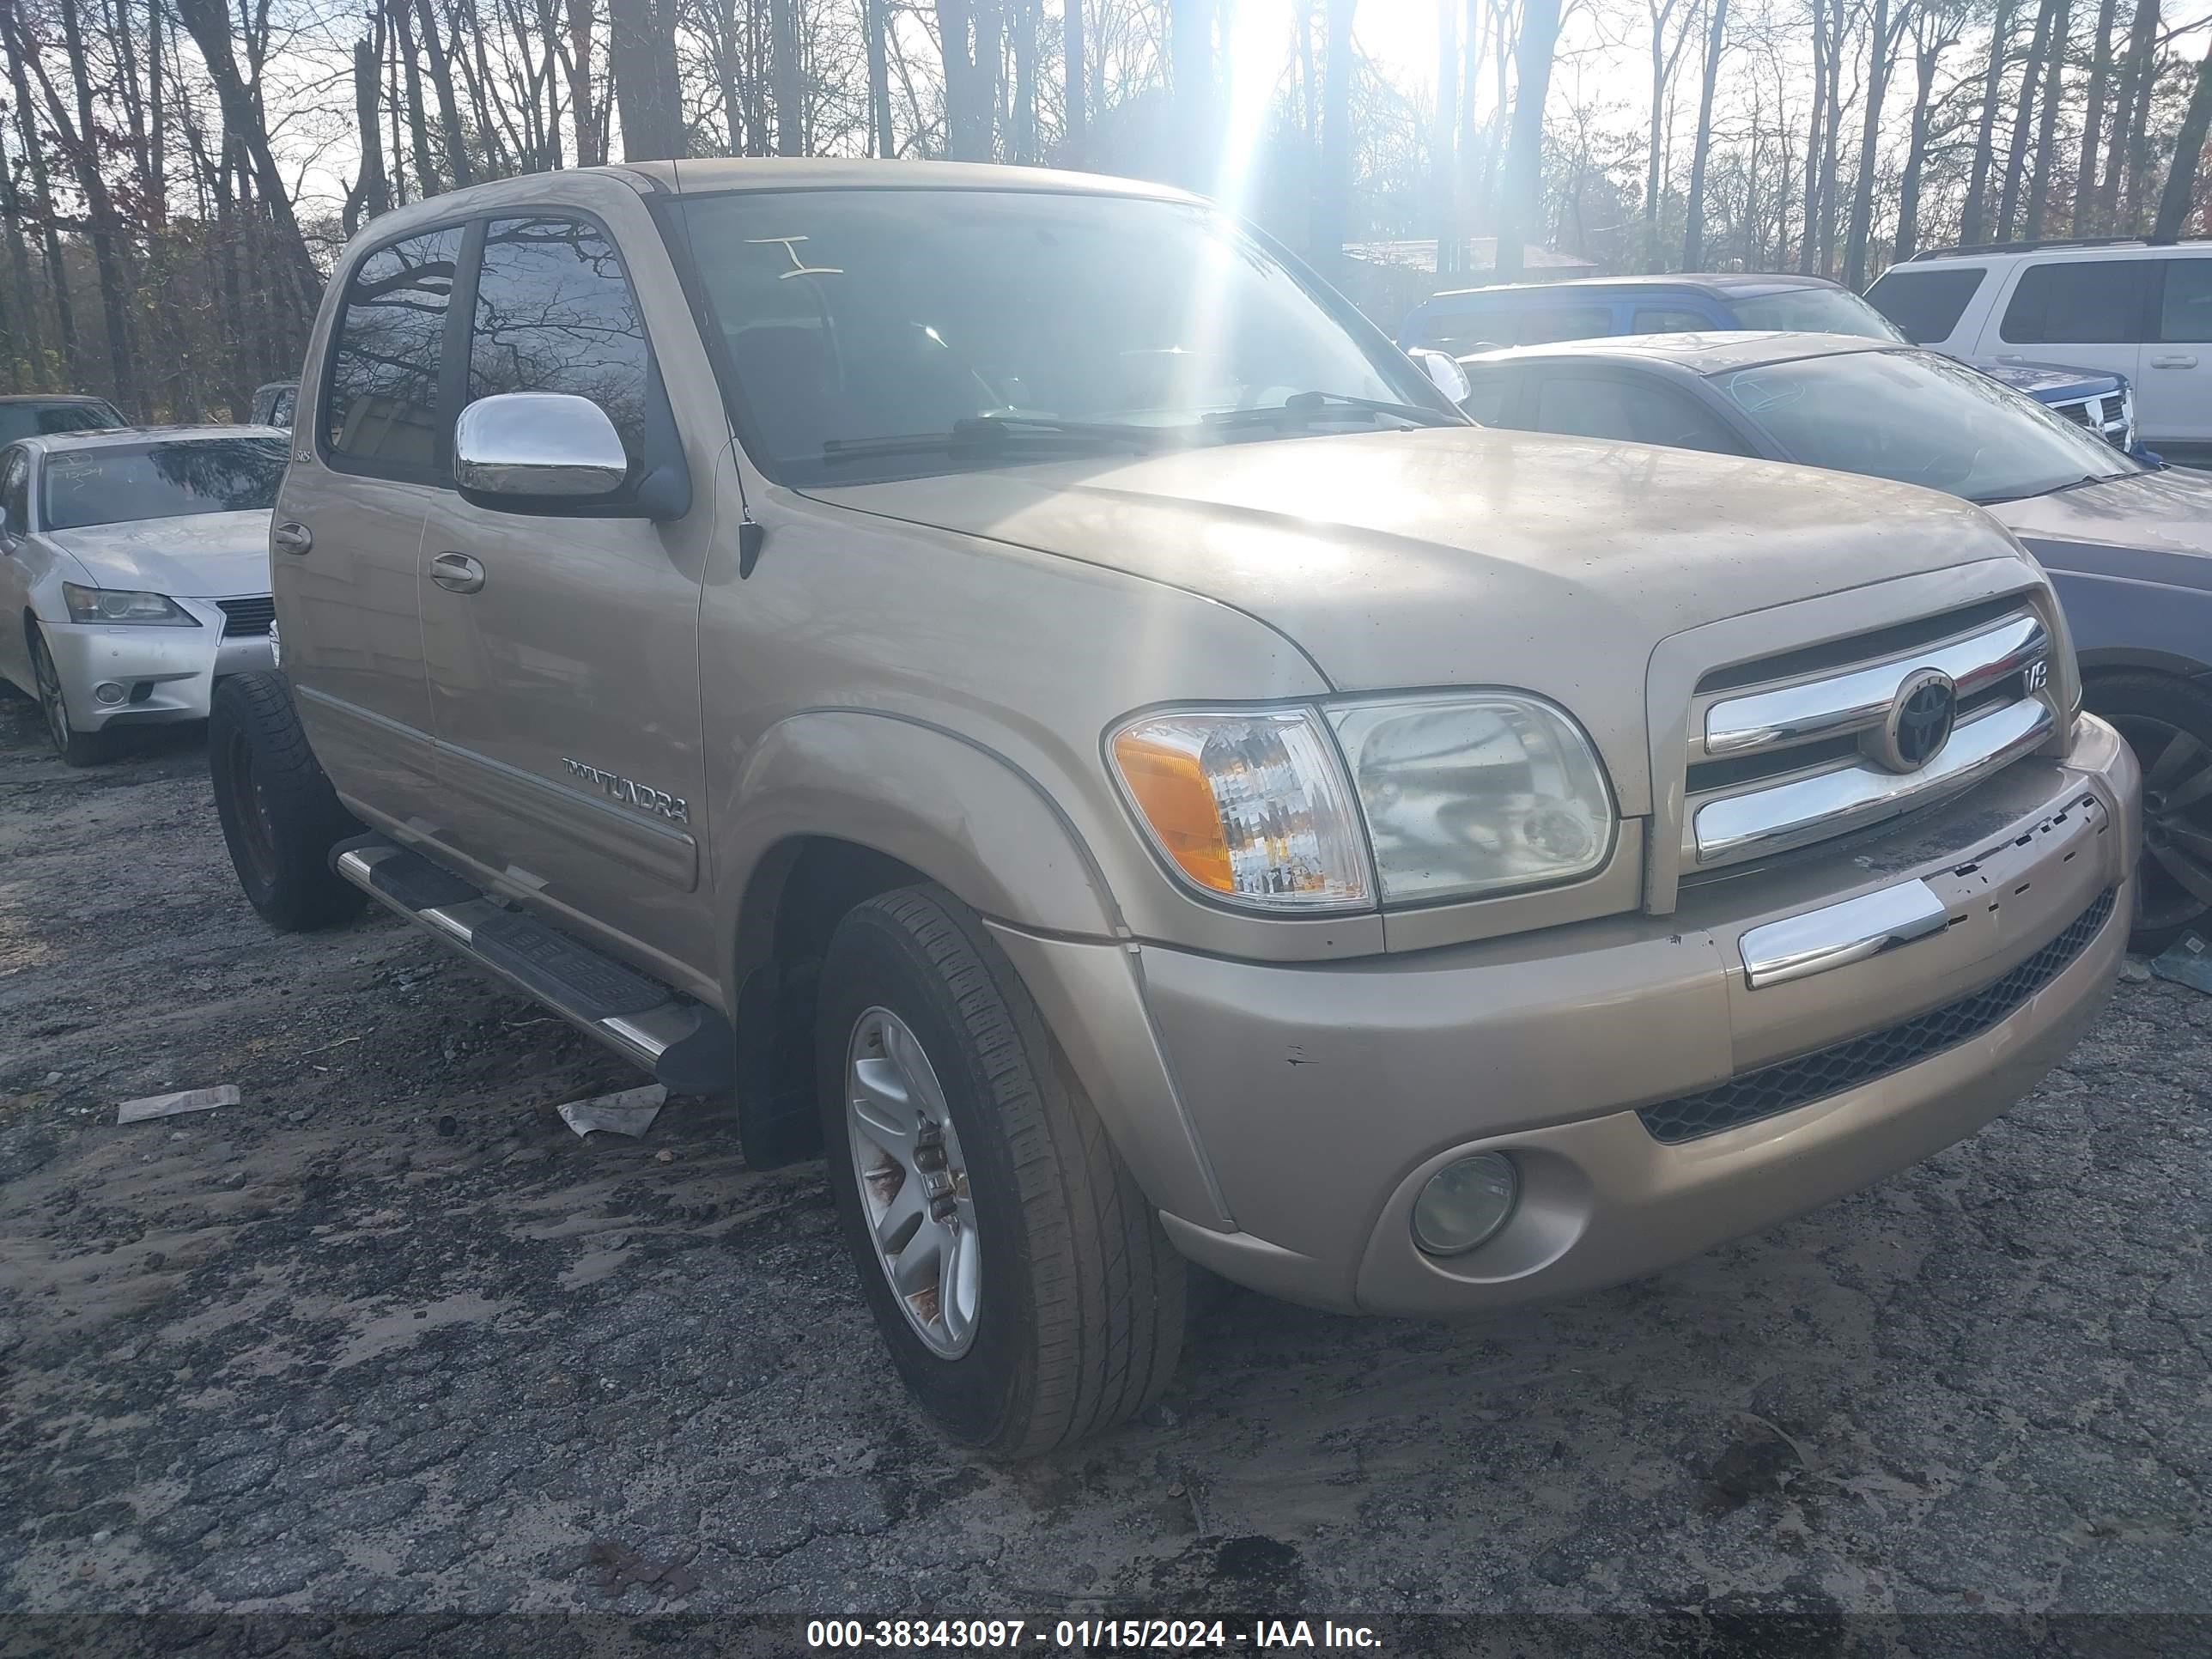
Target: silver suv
1015,678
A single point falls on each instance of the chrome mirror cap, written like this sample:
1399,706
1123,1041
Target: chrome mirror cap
539,444
1444,370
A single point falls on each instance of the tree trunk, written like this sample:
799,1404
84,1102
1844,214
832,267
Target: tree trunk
591,149
2135,180
967,114
1693,231
1831,138
2180,193
1916,155
1881,43
784,75
1809,248
1022,131
875,21
2092,120
2017,158
639,40
2047,136
371,190
1524,162
449,107
1190,87
1970,225
1075,130
27,345
1443,129
1332,198
428,179
42,198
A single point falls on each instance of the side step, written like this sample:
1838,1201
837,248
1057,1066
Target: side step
686,1045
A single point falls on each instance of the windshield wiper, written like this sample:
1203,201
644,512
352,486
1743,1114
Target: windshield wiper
2083,482
983,432
1304,408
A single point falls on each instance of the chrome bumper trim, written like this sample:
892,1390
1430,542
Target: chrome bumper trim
1837,935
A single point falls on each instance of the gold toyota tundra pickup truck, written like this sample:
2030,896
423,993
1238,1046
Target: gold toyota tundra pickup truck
1013,677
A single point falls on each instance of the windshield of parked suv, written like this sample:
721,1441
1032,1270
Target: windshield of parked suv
114,485
30,420
1919,419
1003,325
1813,311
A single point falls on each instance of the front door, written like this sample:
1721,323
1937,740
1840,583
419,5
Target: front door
563,656
368,457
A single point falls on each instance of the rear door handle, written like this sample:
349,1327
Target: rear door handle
292,538
2184,362
457,573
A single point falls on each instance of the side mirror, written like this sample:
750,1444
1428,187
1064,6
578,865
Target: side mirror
1441,368
529,451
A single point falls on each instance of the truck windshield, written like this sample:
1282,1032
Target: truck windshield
115,484
1919,419
1813,311
856,319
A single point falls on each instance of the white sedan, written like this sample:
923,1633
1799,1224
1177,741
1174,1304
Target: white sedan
134,572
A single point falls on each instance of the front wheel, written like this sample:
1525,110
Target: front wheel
280,816
1023,1284
2167,721
76,747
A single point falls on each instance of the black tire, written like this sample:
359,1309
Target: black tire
1081,1316
280,816
76,748
2167,721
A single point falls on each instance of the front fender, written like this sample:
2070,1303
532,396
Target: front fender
964,815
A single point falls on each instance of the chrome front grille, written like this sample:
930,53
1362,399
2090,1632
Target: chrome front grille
1780,763
2107,417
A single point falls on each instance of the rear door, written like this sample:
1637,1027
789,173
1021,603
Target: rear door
2174,392
2076,313
565,686
370,455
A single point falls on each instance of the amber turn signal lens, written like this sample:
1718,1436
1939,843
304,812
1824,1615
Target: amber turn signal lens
1171,792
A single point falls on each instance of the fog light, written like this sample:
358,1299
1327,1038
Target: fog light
107,692
1465,1204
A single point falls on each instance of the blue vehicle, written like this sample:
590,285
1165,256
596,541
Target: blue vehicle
1475,320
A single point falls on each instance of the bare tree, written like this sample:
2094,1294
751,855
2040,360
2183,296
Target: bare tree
2179,195
1884,31
1693,232
1519,207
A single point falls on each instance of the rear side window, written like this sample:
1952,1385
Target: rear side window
1632,411
381,411
1564,323
1926,304
1667,319
2078,302
555,313
2184,311
16,491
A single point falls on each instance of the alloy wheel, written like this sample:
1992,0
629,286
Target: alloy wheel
52,703
913,1180
2176,889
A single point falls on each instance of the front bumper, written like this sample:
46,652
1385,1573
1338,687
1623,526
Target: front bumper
1320,1098
162,674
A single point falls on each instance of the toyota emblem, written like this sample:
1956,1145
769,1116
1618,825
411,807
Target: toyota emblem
1919,722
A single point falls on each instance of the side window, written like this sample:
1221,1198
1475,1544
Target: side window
1487,396
16,491
1667,319
1564,323
555,313
2184,311
381,410
1926,304
1481,329
2077,302
1632,411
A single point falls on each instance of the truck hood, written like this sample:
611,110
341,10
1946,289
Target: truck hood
2149,526
204,555
2049,381
1463,556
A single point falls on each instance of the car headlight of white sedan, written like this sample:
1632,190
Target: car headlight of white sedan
1418,799
123,604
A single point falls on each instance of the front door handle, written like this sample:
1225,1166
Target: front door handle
457,573
2010,357
292,537
2182,362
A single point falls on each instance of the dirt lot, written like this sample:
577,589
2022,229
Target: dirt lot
385,1335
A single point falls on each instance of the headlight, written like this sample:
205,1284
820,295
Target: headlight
121,604
1251,806
1474,793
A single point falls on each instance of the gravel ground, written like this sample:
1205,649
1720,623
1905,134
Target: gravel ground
386,1336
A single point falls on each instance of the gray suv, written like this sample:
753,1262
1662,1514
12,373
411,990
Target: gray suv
1011,678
